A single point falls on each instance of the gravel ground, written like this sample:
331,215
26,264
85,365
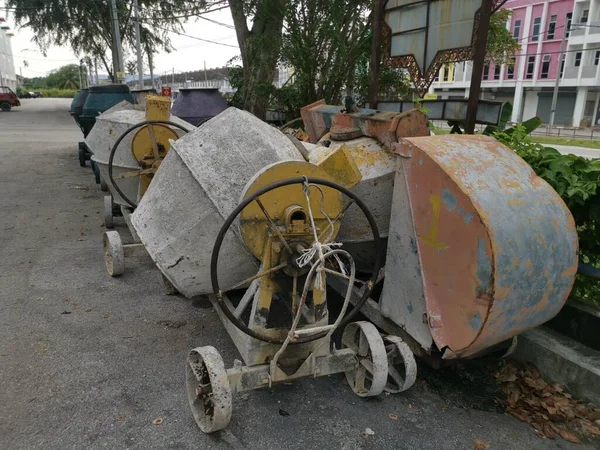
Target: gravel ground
88,362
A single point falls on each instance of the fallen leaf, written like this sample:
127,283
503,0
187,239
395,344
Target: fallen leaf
393,416
480,444
157,421
121,418
532,370
568,436
106,316
283,412
548,430
588,428
66,312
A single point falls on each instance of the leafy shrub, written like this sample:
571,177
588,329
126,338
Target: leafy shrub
58,93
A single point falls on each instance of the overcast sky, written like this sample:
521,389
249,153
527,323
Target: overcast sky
189,54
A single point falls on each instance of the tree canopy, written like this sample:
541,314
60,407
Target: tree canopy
86,25
67,77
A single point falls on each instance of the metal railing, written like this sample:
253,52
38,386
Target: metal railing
543,130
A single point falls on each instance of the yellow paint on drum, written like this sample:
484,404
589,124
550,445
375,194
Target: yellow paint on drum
341,166
254,226
158,108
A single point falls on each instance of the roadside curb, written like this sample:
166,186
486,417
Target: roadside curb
562,360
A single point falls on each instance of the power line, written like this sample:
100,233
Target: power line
197,38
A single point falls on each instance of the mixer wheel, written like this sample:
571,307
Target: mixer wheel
108,212
96,171
114,256
402,367
370,377
103,185
209,392
82,154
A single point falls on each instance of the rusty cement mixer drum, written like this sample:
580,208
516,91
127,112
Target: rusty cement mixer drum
480,248
200,182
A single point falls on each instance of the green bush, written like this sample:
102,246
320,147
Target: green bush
577,181
58,93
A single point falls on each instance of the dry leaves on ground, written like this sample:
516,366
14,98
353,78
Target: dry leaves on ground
547,407
480,444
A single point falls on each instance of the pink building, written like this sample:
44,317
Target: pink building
539,26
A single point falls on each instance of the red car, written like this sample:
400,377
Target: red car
8,98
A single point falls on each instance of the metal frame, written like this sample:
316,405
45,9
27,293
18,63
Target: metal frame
423,77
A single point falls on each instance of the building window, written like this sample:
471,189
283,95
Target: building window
584,16
497,68
545,66
568,26
517,29
562,65
486,72
597,58
577,59
530,67
446,73
551,28
510,73
536,29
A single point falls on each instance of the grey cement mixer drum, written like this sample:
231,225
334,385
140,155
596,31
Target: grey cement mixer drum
199,184
109,126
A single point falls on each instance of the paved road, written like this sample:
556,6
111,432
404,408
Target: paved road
579,151
88,362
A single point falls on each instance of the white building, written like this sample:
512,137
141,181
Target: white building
8,76
539,27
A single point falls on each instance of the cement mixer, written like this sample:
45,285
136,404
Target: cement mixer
479,249
129,143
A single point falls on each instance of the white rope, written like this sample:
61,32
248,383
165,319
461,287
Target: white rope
317,249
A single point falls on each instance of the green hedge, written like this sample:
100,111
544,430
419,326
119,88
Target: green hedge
51,93
58,93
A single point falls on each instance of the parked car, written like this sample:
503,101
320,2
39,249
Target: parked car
24,94
8,98
36,94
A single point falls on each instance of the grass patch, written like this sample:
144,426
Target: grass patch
557,140
549,140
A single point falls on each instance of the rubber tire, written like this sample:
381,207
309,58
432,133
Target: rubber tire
81,153
5,106
103,185
96,171
109,221
114,255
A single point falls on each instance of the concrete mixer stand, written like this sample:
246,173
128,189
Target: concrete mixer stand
281,324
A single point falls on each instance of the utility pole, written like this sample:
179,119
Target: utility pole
96,70
378,11
120,75
205,74
151,67
558,75
80,77
138,44
173,77
485,13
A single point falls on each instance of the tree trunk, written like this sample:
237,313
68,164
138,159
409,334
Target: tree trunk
259,47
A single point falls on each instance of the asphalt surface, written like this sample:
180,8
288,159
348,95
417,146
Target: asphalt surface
89,362
579,151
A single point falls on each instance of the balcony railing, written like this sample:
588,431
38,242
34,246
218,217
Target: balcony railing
589,71
571,72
